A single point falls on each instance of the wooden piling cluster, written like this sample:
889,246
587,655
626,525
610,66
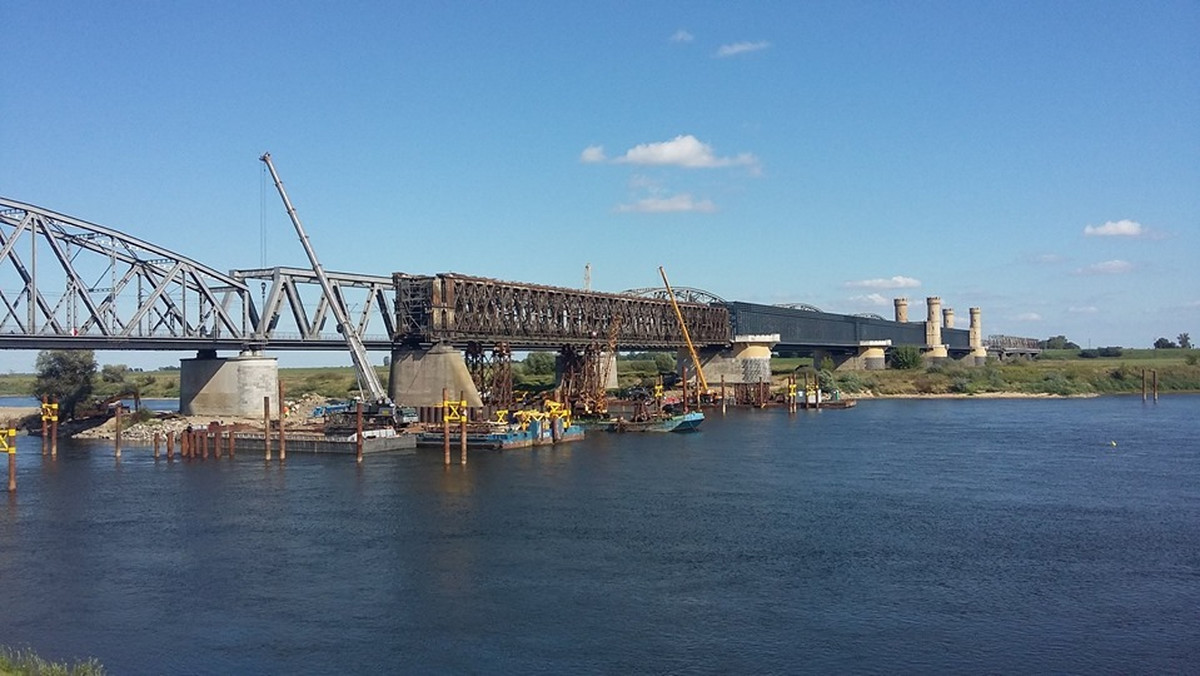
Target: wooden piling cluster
1154,375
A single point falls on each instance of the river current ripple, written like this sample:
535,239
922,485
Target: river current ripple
897,537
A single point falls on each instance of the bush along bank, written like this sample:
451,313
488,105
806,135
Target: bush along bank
1059,378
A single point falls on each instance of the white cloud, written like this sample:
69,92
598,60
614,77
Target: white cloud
1123,228
742,48
873,299
1192,304
682,151
1084,310
1028,317
592,154
682,36
1113,267
662,205
897,282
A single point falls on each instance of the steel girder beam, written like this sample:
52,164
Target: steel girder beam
88,286
300,289
458,309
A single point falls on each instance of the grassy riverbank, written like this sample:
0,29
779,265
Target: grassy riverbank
1057,372
1060,373
25,662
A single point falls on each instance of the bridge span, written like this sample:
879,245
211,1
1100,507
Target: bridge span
66,283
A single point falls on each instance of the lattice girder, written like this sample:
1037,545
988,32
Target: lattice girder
68,278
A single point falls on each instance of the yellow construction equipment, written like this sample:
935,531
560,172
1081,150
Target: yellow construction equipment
687,338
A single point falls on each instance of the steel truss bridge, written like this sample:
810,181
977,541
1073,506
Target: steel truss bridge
459,309
66,283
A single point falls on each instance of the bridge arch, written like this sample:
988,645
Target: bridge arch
683,294
800,306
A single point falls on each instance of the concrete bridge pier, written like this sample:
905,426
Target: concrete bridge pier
227,386
842,360
872,355
418,375
978,354
935,351
747,360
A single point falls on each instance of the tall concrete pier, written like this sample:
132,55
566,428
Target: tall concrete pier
978,355
934,348
227,386
419,375
901,309
747,360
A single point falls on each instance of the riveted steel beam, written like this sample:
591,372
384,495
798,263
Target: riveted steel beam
458,309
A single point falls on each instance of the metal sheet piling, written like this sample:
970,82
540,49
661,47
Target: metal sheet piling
445,427
282,436
54,428
213,434
171,445
267,427
10,445
358,432
46,420
117,434
462,402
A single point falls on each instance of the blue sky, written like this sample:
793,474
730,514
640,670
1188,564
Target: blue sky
1038,160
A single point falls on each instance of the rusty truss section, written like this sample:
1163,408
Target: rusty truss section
491,373
459,309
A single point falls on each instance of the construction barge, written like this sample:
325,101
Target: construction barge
510,430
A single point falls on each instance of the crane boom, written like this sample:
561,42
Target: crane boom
358,353
686,337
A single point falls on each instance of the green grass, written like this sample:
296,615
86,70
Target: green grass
1056,372
25,662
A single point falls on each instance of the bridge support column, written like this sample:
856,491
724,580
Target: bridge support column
872,355
978,354
419,375
841,359
935,350
748,360
232,386
608,365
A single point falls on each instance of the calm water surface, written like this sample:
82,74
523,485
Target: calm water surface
898,537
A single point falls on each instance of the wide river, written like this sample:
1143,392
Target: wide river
902,536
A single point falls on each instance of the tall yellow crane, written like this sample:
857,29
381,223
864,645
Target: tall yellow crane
686,337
